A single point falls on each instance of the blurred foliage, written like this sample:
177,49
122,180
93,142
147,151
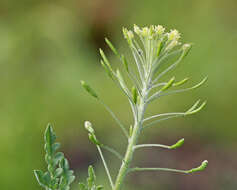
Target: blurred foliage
46,47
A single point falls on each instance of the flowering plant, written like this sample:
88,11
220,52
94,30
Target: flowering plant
155,54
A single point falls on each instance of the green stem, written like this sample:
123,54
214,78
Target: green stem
131,143
106,167
159,169
151,145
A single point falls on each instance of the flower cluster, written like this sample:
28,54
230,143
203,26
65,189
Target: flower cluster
153,47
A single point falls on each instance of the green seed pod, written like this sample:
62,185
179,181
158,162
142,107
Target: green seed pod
111,46
193,111
130,130
159,47
181,82
125,63
88,127
177,144
108,71
93,139
168,85
89,89
105,60
134,94
200,168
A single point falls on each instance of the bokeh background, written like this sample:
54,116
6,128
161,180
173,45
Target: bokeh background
47,47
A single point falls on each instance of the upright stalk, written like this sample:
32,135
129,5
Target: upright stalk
132,141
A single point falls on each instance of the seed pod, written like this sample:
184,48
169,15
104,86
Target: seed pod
168,85
105,60
108,71
111,46
200,168
93,139
89,89
130,130
181,82
125,63
159,47
134,94
193,110
178,144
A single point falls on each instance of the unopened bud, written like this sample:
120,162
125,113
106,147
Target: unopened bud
88,127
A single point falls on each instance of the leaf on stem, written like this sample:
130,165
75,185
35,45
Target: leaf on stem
58,176
91,181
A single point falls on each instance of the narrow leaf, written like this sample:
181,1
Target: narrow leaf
40,178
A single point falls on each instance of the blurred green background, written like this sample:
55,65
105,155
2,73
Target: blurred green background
47,47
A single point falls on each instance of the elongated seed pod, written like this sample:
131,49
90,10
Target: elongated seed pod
125,63
200,168
111,46
177,144
105,60
168,85
159,47
107,70
89,89
181,82
93,139
134,94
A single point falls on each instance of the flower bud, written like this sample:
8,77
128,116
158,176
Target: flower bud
137,30
88,127
159,29
186,48
173,35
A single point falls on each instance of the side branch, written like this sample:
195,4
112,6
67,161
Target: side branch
105,166
159,93
174,146
115,118
197,169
